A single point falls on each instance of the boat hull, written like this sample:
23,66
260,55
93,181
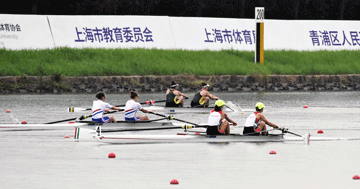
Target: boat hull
141,139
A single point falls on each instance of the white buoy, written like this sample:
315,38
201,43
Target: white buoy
307,138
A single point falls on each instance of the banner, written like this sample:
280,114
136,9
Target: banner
112,32
213,33
25,32
162,32
312,35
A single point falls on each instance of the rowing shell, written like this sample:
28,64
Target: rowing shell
110,127
29,127
229,108
183,110
196,138
141,139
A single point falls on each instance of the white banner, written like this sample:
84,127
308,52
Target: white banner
311,35
24,32
112,32
213,33
161,32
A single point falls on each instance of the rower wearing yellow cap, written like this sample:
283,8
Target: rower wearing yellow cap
256,122
218,121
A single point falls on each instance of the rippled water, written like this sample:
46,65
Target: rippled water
45,159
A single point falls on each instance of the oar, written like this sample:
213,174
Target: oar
81,118
77,109
172,118
294,134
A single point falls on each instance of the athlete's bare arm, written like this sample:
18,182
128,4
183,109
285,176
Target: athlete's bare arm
229,120
212,97
145,111
116,108
262,117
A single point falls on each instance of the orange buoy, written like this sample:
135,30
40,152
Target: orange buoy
111,155
272,152
24,122
67,136
320,132
174,181
356,177
305,106
8,111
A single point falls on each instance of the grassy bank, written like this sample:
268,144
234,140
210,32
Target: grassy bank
100,62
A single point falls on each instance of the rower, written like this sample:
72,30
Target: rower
217,124
256,122
99,107
174,98
132,106
201,98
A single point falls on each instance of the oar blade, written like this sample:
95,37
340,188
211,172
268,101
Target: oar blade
77,109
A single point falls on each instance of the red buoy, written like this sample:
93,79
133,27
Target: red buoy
8,111
174,181
272,152
320,132
24,122
356,177
67,136
305,106
111,155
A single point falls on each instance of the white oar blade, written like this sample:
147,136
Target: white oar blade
76,109
307,138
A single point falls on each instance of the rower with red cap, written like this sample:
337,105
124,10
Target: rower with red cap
202,98
218,120
256,122
174,98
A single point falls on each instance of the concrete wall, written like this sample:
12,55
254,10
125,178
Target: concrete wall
188,83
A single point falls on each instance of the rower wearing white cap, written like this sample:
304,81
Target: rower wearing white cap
174,98
202,98
256,122
218,120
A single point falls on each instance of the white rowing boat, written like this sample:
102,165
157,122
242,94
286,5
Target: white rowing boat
110,127
229,108
29,127
193,138
182,110
198,138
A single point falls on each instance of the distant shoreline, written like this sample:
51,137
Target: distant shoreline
188,83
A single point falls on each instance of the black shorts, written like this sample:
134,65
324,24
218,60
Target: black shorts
172,104
213,130
250,131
